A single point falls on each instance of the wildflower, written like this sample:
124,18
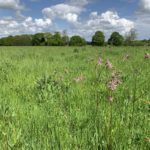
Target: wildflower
100,61
78,79
115,74
109,65
147,55
112,85
114,82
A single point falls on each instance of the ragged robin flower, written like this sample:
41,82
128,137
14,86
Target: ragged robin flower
100,61
108,64
114,82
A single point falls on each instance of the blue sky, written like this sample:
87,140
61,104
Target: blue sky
80,17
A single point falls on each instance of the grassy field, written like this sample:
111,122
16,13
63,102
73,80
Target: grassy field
61,98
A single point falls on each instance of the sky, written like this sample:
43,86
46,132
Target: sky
76,17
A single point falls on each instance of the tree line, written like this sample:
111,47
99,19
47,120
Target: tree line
62,39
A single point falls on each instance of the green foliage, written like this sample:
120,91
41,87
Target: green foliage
116,39
65,40
7,41
56,40
48,87
49,100
18,40
98,39
76,50
22,40
77,41
47,37
138,43
38,39
62,39
130,37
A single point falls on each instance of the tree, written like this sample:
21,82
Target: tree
38,39
116,39
6,41
22,40
98,39
47,37
65,38
130,37
55,40
77,41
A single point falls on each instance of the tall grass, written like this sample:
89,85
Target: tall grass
58,98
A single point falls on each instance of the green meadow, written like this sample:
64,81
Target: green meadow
59,98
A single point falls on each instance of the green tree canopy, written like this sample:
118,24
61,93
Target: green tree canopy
65,38
130,37
47,37
77,41
116,39
22,40
38,39
55,40
98,39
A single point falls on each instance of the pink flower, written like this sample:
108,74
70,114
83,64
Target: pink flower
112,85
115,74
114,82
108,64
100,61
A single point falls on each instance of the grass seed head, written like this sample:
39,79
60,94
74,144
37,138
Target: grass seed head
79,79
126,57
147,56
147,140
110,99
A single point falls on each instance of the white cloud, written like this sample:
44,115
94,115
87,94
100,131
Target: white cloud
145,6
71,17
69,11
34,0
62,11
107,22
79,3
11,4
11,26
142,23
142,19
43,22
93,14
